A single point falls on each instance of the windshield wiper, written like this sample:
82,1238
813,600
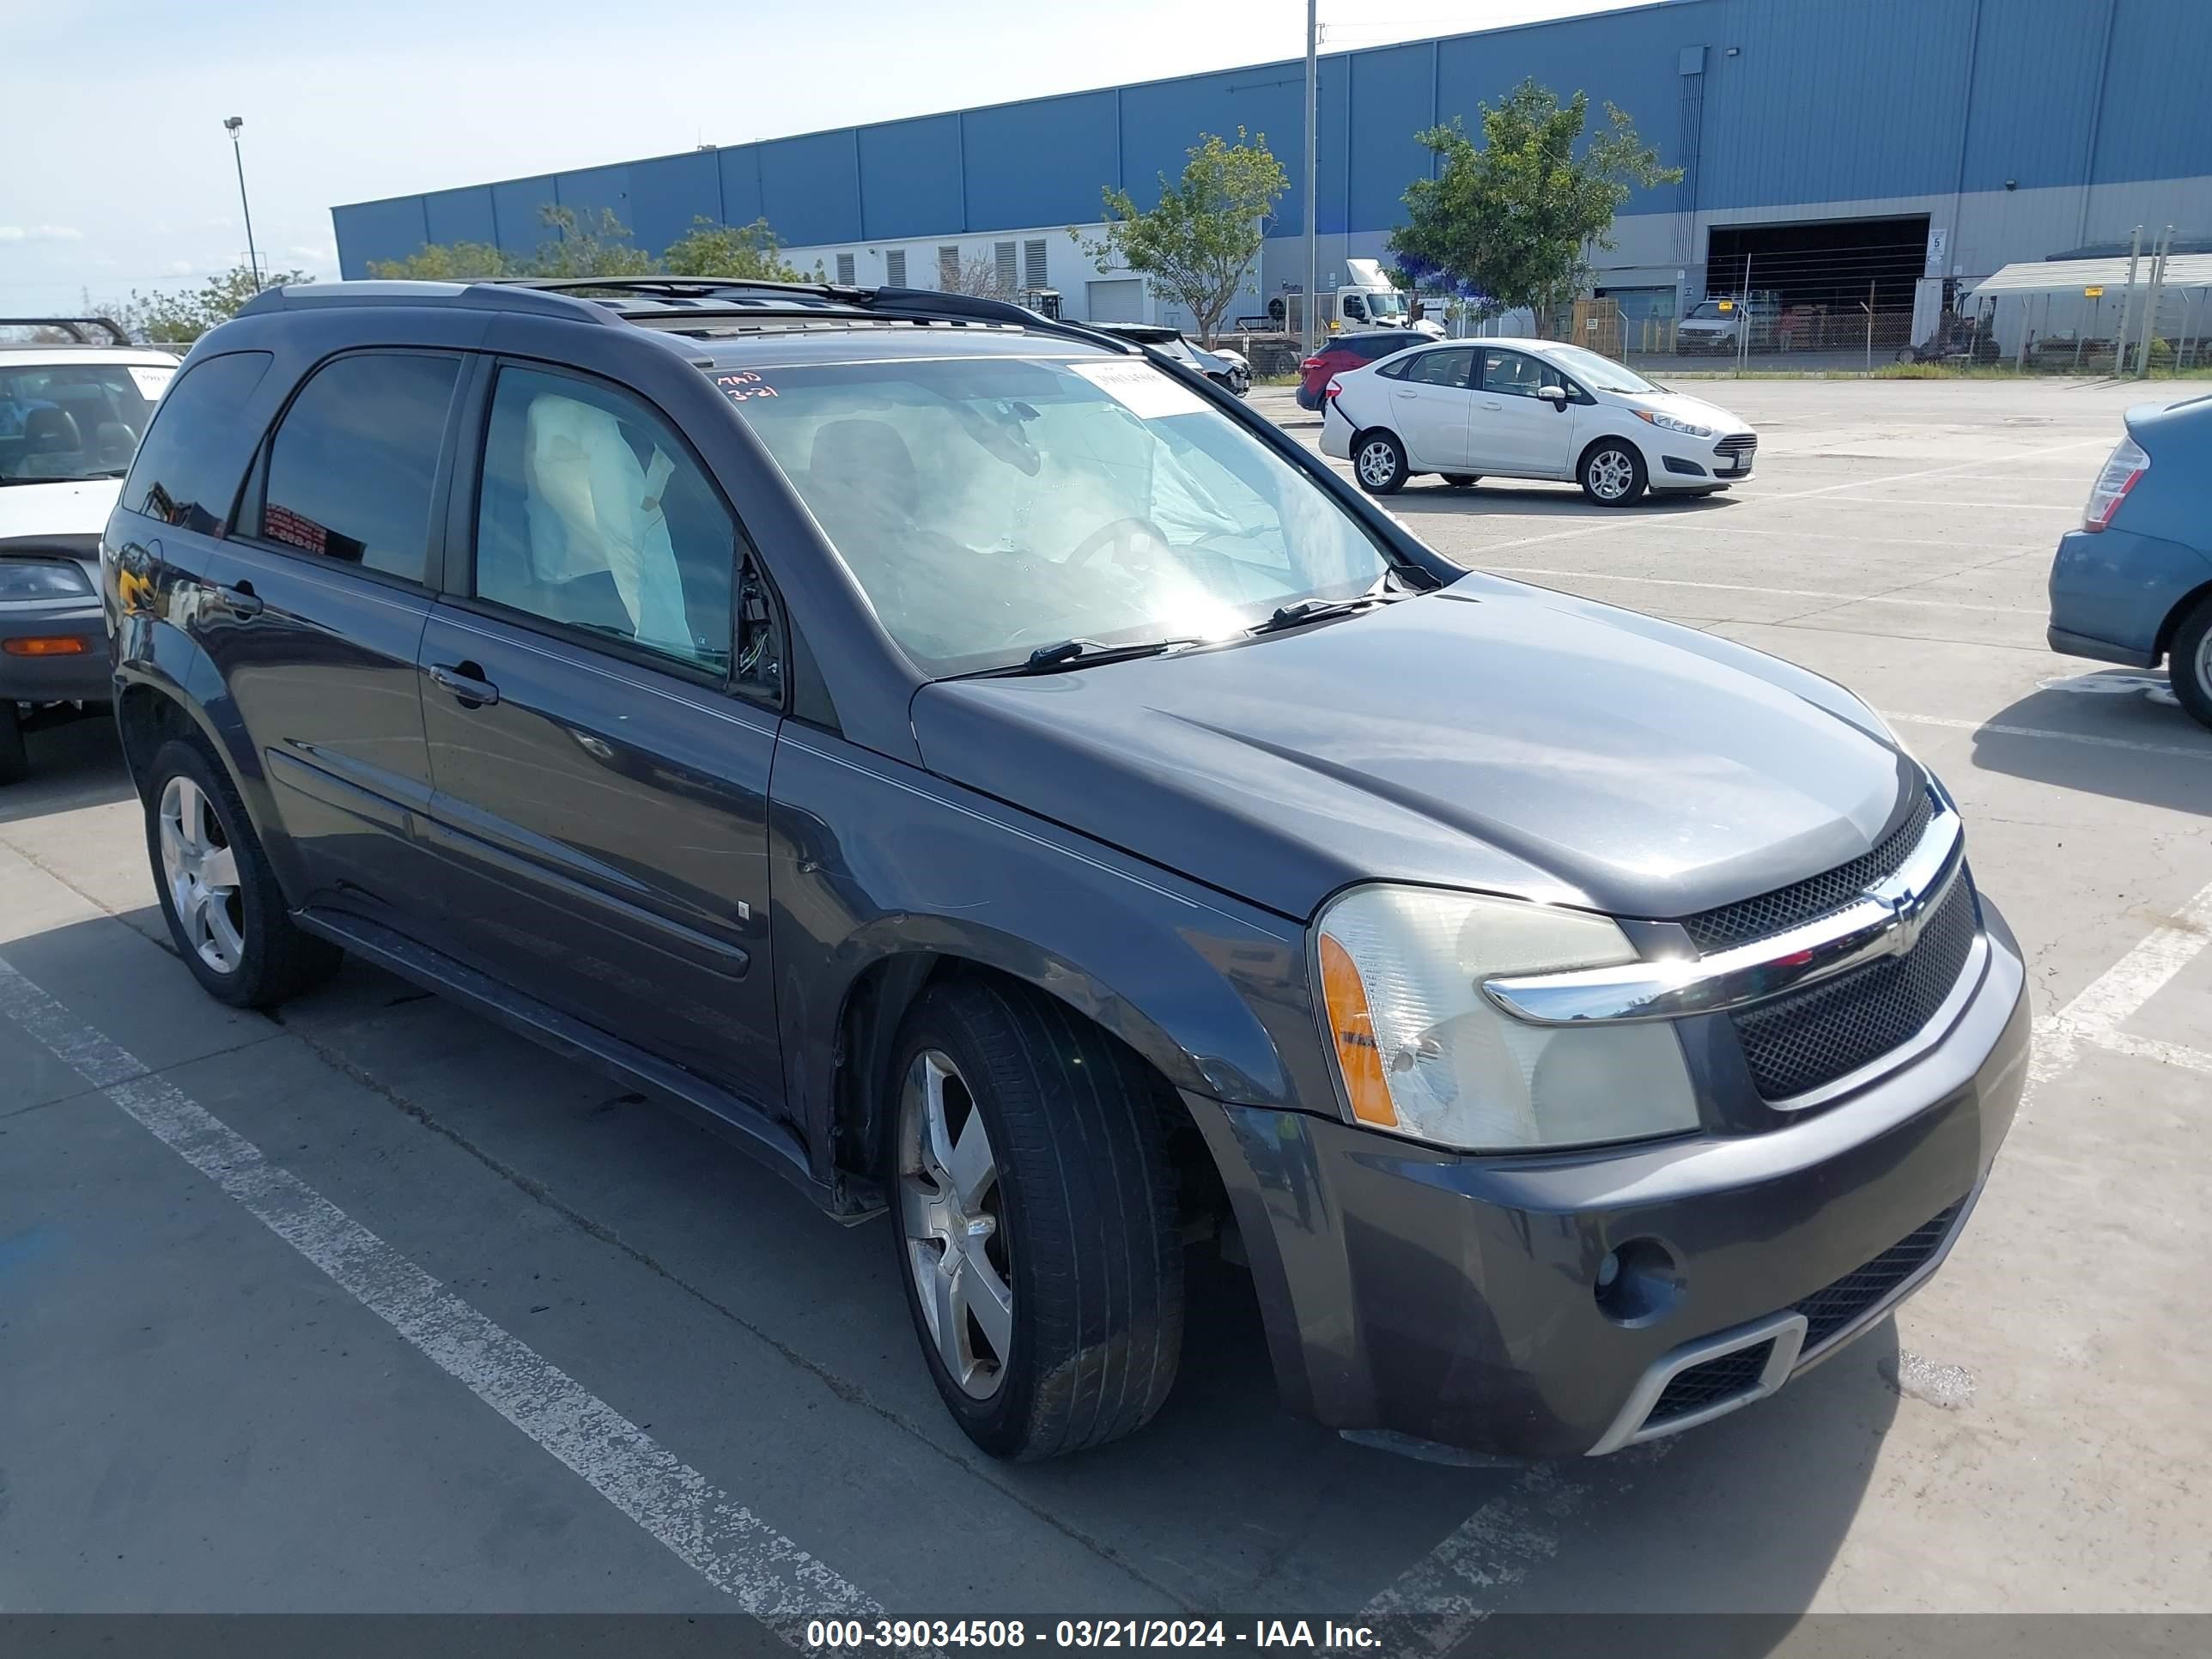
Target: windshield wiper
1312,611
1082,654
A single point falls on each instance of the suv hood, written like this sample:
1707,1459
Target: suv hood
1492,736
77,506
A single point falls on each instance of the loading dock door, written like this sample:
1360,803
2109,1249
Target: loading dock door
1119,300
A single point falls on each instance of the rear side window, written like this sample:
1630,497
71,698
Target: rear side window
1372,346
181,475
354,460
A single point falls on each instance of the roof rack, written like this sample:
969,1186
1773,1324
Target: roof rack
72,326
734,296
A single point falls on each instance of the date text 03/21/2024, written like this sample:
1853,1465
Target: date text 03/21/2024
831,1635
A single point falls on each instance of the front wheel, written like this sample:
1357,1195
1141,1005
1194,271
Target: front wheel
1035,1220
1378,461
1612,473
2189,662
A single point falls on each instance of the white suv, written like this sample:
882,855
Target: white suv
1528,409
71,413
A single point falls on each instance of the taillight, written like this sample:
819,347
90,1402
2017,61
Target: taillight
2128,463
1332,388
1310,364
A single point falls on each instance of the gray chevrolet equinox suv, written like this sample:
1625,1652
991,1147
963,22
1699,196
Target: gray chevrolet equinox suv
986,772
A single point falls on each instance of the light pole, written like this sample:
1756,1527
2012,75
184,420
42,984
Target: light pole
231,125
1313,152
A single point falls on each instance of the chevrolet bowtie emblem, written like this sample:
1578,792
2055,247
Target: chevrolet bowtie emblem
1908,914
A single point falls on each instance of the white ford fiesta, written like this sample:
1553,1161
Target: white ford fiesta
1528,409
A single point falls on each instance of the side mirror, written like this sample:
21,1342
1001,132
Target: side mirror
1554,395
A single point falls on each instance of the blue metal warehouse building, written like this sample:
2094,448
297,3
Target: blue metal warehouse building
1836,143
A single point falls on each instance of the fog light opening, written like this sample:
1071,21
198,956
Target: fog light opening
1636,1282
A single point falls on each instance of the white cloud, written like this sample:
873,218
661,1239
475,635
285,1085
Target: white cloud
325,254
41,233
179,268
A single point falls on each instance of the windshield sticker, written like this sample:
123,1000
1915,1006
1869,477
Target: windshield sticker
149,380
1145,391
738,385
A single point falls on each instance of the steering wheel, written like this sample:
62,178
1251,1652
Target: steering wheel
1122,533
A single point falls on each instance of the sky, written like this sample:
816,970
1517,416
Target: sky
128,182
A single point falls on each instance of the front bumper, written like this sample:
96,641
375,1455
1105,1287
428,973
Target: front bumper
2112,590
79,677
1455,1300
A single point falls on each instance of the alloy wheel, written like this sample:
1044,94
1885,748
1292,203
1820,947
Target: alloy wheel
1611,475
951,1209
202,871
1377,465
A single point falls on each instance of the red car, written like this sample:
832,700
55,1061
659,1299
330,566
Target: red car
1349,351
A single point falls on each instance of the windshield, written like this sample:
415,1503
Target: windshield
1385,304
1709,311
1602,372
61,420
992,506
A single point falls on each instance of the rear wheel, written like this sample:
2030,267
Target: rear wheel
1463,480
224,909
2189,662
1378,461
1036,1221
1611,472
15,762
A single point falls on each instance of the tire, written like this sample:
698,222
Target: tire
1378,461
225,911
1080,1271
2189,662
1611,472
1463,480
15,761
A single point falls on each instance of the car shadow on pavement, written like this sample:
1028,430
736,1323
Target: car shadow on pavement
79,763
2016,741
1548,501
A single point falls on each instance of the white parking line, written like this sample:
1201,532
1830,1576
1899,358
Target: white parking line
732,1549
1747,587
2182,751
2117,995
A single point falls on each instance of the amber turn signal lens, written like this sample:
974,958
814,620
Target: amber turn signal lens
1352,1028
46,646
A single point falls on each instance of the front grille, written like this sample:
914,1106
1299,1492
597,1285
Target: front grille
1809,900
1744,445
1708,1383
1807,1038
1832,1309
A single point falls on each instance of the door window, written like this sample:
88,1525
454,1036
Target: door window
1512,373
594,515
1441,368
352,466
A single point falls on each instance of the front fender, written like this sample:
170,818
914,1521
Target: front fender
873,861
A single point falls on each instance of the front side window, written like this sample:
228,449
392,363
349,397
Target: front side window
992,506
181,475
354,458
593,515
61,420
1442,369
1512,373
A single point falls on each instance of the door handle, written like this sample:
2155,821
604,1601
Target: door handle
1489,404
466,682
1409,395
239,600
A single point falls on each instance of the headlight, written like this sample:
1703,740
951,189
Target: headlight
1422,1052
39,579
1668,424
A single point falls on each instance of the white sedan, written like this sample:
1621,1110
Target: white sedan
1528,409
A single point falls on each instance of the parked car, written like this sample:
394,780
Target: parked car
1218,367
1531,409
1342,352
1711,325
72,412
1004,783
2134,584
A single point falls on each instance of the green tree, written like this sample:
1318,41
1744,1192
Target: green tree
579,247
448,262
1514,220
747,251
181,317
1199,242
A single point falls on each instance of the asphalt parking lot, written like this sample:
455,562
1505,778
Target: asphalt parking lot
371,1306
